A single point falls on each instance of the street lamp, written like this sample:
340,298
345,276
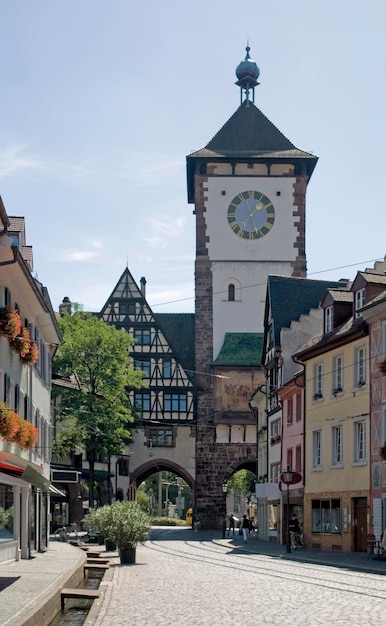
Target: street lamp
287,479
224,522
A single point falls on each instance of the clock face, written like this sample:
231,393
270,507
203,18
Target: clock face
251,215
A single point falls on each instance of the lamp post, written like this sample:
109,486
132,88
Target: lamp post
287,479
224,521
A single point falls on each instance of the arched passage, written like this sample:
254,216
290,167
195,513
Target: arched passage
155,466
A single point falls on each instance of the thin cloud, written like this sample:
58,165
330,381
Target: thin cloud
164,230
15,160
91,251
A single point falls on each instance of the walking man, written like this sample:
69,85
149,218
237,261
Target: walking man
245,528
231,524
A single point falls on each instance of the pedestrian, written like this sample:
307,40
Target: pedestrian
245,528
231,524
252,525
294,529
63,534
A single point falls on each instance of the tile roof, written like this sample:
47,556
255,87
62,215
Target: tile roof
291,297
179,330
248,132
341,295
241,349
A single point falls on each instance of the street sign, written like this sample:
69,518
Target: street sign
296,478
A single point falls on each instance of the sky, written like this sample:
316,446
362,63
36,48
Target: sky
101,101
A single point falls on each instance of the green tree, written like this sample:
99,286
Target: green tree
242,482
94,359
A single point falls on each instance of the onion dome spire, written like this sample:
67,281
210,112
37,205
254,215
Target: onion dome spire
247,73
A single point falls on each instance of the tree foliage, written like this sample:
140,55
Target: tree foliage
242,482
94,372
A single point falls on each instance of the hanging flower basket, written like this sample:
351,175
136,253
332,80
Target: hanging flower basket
9,423
21,343
31,356
382,366
27,434
10,323
382,451
14,428
25,347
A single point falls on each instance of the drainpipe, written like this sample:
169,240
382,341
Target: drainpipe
304,416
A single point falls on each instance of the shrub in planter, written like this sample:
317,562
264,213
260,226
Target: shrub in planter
125,523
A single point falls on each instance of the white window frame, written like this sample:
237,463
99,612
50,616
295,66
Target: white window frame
359,300
338,369
359,442
337,445
317,449
318,381
360,367
328,319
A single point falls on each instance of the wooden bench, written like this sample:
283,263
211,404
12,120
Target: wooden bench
84,594
92,566
98,560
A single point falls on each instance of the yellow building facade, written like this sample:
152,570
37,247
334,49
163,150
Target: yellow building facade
337,458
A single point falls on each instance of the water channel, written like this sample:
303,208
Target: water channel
76,610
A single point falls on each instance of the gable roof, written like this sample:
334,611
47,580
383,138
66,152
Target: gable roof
241,349
289,297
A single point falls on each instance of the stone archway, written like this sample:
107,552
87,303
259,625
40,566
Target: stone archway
154,466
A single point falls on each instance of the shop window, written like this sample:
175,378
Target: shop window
326,516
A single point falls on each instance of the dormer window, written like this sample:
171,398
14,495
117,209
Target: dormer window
328,319
359,301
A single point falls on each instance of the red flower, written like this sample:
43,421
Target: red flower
10,323
9,423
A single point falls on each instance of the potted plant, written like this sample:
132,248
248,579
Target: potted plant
128,525
382,451
382,366
124,523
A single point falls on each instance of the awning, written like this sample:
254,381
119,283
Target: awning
56,492
32,476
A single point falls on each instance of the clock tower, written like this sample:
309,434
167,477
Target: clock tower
248,186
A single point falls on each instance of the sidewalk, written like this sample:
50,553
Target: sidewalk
353,560
30,588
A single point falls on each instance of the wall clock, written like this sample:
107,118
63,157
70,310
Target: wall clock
251,215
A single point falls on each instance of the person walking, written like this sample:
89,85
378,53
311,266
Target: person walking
294,529
231,524
245,528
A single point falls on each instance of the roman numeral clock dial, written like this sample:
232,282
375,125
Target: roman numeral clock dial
251,215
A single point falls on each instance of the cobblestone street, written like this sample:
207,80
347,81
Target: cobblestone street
189,582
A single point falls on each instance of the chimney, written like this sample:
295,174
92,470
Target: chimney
143,286
65,307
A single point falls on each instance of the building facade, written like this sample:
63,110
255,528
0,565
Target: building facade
29,336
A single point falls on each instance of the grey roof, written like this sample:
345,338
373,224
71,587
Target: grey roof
288,298
249,132
179,330
249,135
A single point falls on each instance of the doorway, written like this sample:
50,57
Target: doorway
360,524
